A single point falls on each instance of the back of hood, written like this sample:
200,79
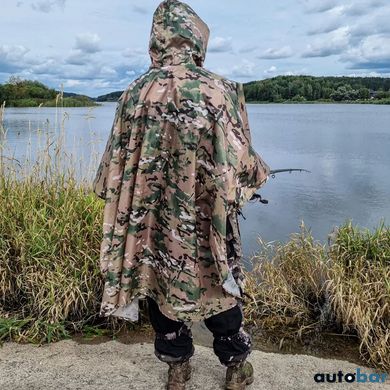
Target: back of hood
178,35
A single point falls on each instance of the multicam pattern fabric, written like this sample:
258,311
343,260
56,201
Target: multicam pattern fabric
178,164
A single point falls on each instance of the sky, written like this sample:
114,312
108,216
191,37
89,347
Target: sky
95,47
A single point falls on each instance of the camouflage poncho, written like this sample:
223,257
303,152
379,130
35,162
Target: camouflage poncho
177,166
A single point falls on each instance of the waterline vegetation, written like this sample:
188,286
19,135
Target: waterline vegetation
309,89
26,93
51,286
303,287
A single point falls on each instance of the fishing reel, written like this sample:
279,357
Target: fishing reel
272,173
258,196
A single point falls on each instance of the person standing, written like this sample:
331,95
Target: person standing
177,168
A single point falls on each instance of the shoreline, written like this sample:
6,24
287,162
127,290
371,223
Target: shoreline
121,366
99,104
322,345
53,106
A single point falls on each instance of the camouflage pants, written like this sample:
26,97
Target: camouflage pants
173,342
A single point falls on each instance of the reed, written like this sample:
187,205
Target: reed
359,287
303,288
2,111
286,286
50,233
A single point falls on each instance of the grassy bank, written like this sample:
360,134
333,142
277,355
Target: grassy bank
304,288
65,102
51,286
27,93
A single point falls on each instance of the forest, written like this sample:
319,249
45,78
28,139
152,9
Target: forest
282,89
17,92
301,89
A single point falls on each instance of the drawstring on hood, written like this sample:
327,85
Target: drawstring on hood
178,35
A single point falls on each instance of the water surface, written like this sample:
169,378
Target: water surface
346,147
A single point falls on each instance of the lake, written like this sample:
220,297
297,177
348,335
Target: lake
346,148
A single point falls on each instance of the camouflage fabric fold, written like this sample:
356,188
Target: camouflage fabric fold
177,166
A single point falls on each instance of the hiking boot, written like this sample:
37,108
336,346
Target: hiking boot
239,376
178,375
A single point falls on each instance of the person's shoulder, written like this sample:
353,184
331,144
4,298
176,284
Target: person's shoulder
138,82
131,93
228,84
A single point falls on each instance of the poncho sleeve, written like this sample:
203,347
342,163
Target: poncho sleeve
99,185
252,172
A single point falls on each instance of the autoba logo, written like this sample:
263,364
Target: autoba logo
356,377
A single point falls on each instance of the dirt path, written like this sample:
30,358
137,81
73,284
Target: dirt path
115,365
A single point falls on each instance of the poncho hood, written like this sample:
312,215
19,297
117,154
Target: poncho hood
178,35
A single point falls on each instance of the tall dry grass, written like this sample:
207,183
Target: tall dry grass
304,288
50,233
2,111
287,286
359,286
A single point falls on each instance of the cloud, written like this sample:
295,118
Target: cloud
359,8
334,37
131,53
318,6
45,6
369,74
271,70
301,71
72,83
133,68
321,51
13,53
12,58
220,45
48,66
108,71
140,9
248,49
372,53
326,27
87,71
246,69
374,25
272,54
77,57
334,43
88,43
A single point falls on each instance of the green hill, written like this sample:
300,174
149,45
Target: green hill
110,97
323,89
281,89
26,93
309,89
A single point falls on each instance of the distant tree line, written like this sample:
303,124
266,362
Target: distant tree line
110,97
309,88
27,93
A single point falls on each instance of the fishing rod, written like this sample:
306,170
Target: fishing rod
272,173
276,171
